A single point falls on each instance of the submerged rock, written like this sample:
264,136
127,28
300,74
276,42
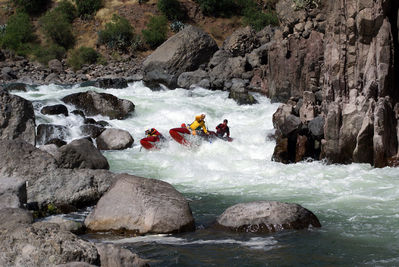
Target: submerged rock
141,206
55,110
114,139
266,217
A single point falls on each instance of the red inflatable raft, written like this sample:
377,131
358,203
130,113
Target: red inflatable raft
180,135
151,142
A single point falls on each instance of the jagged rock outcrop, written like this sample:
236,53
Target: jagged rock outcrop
17,118
352,72
183,52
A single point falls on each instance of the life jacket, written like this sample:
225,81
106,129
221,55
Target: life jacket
221,129
153,132
198,124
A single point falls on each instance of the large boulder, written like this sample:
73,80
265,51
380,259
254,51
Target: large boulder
22,159
12,192
183,52
93,103
266,217
141,206
81,154
114,139
65,189
43,244
17,118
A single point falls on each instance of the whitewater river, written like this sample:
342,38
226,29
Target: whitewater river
358,206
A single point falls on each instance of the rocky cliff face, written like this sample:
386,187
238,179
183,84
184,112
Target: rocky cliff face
341,63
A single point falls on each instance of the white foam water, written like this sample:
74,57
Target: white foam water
356,204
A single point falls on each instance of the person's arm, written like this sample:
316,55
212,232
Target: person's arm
228,131
204,127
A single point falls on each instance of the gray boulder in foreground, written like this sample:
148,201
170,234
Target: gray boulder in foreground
12,192
67,189
17,118
114,139
140,206
80,154
43,244
266,217
183,52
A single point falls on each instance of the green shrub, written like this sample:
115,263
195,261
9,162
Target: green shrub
219,8
81,56
88,8
67,9
49,52
57,28
172,9
155,33
258,20
18,32
118,34
31,6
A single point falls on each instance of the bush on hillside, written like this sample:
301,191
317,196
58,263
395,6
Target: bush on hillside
88,8
67,9
172,9
32,6
17,33
81,56
57,28
118,34
155,33
219,8
258,20
48,52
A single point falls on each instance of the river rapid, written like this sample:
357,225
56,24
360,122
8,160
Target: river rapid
357,205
